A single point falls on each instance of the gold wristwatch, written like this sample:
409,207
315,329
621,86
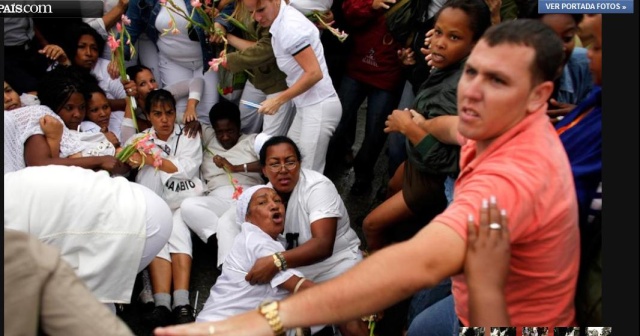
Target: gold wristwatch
269,310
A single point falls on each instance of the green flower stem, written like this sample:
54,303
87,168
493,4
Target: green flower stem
239,25
223,167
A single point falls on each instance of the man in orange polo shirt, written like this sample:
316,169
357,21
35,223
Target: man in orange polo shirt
512,154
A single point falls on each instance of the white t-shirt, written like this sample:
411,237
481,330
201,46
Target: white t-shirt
187,159
315,197
242,152
177,47
291,32
91,127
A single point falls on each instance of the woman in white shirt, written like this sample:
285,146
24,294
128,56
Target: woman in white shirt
321,242
299,54
260,211
174,179
62,90
182,55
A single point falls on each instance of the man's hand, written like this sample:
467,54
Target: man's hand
418,118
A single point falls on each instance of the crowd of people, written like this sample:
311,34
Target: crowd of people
476,109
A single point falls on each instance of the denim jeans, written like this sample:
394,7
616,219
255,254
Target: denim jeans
380,103
440,319
396,149
448,188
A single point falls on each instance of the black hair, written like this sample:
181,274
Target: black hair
543,40
276,140
73,35
477,11
134,70
157,97
532,13
56,86
224,109
91,88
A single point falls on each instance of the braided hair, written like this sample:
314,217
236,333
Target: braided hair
56,86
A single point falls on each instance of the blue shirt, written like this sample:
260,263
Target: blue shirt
583,144
575,82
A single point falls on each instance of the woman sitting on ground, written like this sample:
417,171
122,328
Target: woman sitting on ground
174,178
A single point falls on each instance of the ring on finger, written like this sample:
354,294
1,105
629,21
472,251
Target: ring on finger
212,330
495,226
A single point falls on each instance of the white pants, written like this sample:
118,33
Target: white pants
180,240
312,129
254,122
213,214
159,226
172,72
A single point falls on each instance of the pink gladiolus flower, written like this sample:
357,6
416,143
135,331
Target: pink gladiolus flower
163,2
207,2
237,192
195,3
113,43
125,20
145,146
216,62
119,27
